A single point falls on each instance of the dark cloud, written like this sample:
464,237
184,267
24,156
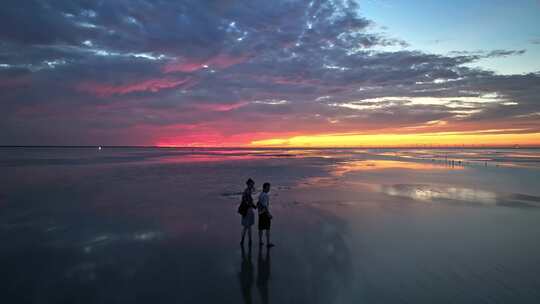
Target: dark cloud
479,54
132,72
504,53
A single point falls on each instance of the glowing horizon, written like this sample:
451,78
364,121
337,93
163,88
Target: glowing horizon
389,140
445,139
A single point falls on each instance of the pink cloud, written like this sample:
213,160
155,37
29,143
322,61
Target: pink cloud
14,82
220,61
150,85
222,107
183,66
223,61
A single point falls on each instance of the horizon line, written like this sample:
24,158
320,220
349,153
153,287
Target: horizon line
514,146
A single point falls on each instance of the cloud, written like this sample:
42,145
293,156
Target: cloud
142,72
504,53
219,61
150,85
479,54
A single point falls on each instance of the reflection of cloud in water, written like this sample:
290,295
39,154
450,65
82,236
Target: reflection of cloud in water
312,262
331,272
371,165
107,239
437,193
431,193
340,169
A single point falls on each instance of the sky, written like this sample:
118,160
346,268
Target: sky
270,73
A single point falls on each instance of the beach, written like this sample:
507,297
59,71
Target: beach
160,225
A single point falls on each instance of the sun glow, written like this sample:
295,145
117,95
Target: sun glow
485,137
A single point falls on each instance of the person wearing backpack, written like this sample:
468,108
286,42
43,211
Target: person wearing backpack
246,210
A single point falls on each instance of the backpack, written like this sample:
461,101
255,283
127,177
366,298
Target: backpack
243,207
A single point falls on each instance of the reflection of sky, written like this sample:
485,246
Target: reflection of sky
368,165
108,228
518,157
81,156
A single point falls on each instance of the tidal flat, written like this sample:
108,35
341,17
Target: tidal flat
160,225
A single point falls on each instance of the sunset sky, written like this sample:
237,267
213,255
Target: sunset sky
270,73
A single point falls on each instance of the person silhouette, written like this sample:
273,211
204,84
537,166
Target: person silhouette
246,210
263,275
265,217
246,276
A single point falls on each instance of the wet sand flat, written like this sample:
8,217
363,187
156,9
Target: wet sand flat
125,225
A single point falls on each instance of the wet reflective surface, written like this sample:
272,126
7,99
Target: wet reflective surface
351,226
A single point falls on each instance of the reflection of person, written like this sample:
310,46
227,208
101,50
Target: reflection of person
246,208
246,275
264,215
263,275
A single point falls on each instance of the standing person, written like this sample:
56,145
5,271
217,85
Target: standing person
265,216
246,210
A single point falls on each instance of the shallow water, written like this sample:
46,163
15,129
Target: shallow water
140,225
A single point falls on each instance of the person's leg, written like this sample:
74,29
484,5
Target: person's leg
268,239
260,237
243,234
249,234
